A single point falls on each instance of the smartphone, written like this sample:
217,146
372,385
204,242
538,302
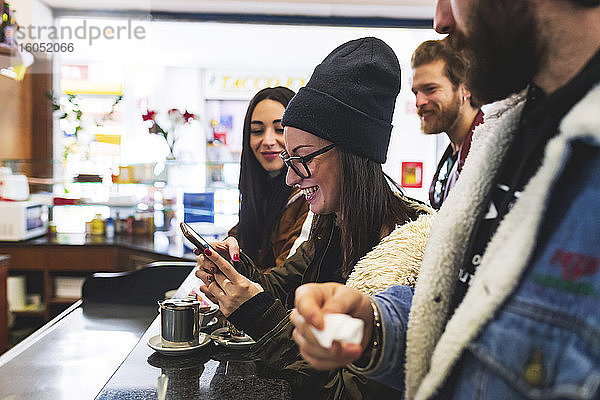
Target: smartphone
195,237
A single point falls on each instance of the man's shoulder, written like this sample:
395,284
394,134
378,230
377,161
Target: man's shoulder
498,109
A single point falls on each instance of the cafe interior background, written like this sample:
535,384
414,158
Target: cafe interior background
77,104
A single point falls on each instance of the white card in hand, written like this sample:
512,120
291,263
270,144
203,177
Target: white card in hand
340,327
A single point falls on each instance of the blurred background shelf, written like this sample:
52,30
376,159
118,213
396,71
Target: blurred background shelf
40,312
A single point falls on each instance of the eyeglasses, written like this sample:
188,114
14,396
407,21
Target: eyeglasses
299,164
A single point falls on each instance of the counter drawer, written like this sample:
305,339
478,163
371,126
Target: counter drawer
82,259
26,258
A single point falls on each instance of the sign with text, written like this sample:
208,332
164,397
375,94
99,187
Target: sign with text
242,85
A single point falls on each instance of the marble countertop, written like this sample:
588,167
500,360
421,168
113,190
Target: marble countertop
72,356
212,372
97,350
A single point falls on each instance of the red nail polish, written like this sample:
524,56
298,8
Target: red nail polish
208,252
236,257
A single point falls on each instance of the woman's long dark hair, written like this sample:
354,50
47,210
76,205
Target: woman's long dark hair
369,209
262,197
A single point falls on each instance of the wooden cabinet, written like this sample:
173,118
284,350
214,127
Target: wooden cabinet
42,264
26,116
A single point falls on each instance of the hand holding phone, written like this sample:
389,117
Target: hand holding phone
197,240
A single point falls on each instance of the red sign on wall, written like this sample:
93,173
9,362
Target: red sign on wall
412,174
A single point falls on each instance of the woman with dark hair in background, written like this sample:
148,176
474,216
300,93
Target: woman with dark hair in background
271,213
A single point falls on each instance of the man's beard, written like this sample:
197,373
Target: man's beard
502,48
443,118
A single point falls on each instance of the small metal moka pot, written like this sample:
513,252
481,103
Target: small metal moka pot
180,322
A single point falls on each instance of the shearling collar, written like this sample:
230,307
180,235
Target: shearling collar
433,346
395,260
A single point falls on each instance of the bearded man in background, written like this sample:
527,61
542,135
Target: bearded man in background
445,105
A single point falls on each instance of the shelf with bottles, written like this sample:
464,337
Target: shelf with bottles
186,175
125,205
163,173
138,224
108,222
74,203
111,192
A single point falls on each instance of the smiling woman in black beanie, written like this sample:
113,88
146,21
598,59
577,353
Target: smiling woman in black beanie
337,131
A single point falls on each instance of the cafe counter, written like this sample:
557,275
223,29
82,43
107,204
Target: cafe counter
100,350
165,245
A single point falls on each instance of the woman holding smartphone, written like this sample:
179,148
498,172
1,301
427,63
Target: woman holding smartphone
271,213
337,132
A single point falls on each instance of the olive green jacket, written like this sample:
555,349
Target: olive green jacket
395,260
312,262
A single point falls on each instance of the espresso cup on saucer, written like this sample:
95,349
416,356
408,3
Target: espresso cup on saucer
180,322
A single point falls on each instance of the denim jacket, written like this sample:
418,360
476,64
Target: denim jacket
529,325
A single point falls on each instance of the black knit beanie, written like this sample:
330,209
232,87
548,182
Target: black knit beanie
350,97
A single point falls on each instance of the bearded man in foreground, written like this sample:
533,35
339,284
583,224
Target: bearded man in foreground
522,222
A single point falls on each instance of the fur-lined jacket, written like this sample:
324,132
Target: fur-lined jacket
529,325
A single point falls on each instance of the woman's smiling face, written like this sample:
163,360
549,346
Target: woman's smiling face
322,189
266,134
